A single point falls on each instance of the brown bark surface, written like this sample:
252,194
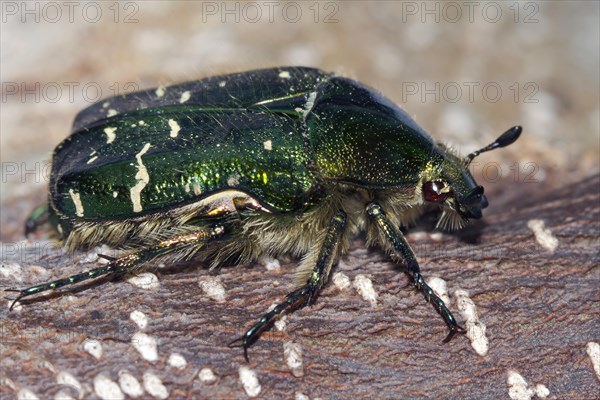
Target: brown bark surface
541,309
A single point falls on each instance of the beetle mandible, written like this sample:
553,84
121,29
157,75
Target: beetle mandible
231,168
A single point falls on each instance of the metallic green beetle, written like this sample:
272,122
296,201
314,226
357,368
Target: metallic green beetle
235,167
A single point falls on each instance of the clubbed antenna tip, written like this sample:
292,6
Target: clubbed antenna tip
507,138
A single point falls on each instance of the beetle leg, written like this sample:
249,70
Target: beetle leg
38,217
305,295
128,263
401,247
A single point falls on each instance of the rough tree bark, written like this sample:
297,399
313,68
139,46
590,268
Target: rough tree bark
541,309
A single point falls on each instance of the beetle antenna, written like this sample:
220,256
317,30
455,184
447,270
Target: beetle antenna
508,137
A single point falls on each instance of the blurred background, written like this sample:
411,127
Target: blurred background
465,71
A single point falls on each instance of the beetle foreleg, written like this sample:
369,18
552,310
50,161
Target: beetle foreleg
38,217
128,263
401,247
305,295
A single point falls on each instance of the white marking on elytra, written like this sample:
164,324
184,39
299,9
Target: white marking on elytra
65,378
154,386
115,194
140,319
111,113
129,384
364,286
145,280
186,187
475,328
105,104
77,201
518,389
207,376
440,287
141,122
160,91
91,160
341,280
197,189
292,354
142,178
249,381
268,145
146,345
110,134
175,128
94,347
543,235
26,394
107,389
310,102
213,288
284,75
177,360
593,350
222,83
185,96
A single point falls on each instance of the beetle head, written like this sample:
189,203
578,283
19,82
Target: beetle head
448,182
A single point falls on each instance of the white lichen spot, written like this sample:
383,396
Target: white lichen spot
130,385
233,180
310,102
222,83
300,396
341,280
268,145
154,386
107,389
175,128
284,75
94,347
91,160
185,96
292,354
8,383
146,345
111,113
140,319
26,394
65,378
475,328
213,288
110,134
207,376
281,323
77,202
145,280
142,178
115,194
593,350
249,381
270,263
518,389
440,287
364,287
160,91
177,360
543,235
436,236
541,391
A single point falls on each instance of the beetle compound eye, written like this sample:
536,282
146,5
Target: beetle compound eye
435,191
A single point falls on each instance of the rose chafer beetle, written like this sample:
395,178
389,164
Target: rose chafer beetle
231,168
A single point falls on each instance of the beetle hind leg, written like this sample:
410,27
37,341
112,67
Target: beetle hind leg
128,263
306,294
400,247
37,218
